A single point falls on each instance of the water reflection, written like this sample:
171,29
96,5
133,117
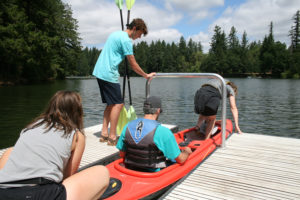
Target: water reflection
266,106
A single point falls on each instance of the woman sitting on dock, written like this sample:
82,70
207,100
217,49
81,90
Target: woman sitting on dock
44,161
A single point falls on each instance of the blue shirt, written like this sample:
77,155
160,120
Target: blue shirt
117,46
164,140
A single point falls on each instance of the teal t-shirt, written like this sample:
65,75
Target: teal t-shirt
164,140
117,46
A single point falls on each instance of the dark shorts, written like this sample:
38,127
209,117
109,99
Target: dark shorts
55,191
207,100
110,92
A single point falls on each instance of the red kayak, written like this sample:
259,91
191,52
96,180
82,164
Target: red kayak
129,184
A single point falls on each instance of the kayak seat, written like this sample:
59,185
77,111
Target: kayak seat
185,143
113,187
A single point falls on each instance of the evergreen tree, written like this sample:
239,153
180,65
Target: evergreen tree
92,59
14,27
174,53
294,60
233,40
182,46
38,40
253,57
295,32
162,56
168,59
141,53
83,65
267,52
233,58
216,61
281,59
191,49
151,61
199,47
244,57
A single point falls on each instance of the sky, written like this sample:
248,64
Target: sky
170,19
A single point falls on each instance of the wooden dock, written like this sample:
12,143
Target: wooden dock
251,166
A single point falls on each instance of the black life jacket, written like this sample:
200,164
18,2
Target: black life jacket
141,151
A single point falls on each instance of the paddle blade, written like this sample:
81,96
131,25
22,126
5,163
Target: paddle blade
122,120
119,4
131,115
129,4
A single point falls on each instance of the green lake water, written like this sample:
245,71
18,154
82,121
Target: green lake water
266,106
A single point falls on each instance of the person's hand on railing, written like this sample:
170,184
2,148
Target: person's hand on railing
151,75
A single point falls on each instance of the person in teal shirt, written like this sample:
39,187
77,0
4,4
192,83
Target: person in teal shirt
147,145
117,47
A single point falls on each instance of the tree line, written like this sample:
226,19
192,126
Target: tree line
39,41
228,55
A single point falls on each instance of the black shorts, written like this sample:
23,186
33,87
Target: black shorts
110,92
55,191
207,100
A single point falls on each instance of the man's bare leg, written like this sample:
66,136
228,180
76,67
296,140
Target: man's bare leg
106,119
114,117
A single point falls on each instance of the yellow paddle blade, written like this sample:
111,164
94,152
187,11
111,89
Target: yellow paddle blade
131,115
122,120
119,4
129,4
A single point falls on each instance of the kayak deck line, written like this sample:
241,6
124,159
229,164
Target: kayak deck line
95,150
252,166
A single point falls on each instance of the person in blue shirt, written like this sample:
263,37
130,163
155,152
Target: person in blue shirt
117,46
146,145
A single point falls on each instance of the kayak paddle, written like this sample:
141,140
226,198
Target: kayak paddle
131,115
129,4
123,114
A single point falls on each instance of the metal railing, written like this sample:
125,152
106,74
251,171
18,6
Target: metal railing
200,75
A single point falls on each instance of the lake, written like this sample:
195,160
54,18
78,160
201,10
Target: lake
266,106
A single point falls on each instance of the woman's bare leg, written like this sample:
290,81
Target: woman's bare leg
88,184
210,120
200,120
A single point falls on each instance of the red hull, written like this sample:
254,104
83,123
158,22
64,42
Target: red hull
136,185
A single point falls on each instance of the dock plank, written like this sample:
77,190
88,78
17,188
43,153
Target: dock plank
251,166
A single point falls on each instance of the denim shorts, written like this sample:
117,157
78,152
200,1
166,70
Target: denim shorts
52,191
